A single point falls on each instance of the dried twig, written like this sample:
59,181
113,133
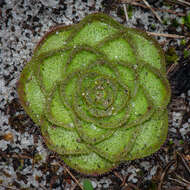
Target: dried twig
166,35
129,1
74,186
147,4
155,9
117,175
123,179
184,162
73,177
132,186
125,11
164,173
184,2
6,187
171,68
154,12
178,181
182,179
43,187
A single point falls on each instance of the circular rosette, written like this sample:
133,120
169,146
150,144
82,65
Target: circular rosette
99,92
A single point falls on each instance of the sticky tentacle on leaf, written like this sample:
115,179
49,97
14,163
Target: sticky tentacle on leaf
99,92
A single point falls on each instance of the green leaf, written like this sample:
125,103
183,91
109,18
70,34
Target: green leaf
87,185
186,20
130,11
171,56
99,93
186,53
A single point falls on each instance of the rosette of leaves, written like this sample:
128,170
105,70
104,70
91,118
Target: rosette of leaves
99,93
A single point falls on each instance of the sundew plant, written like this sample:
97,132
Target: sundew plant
99,93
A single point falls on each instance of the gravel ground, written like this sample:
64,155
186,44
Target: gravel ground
25,162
